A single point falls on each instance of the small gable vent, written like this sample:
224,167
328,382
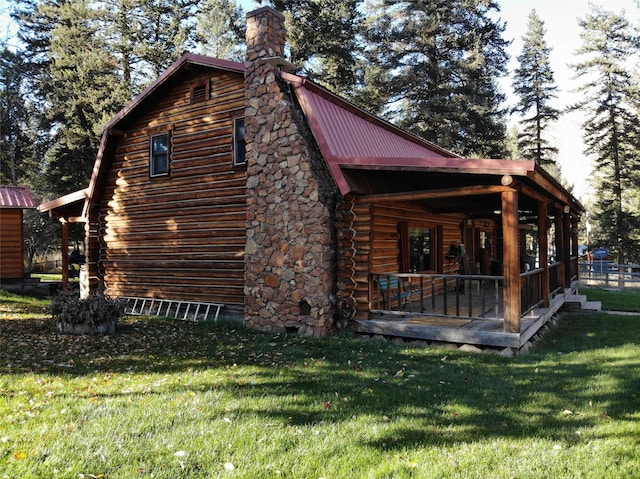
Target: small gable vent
200,92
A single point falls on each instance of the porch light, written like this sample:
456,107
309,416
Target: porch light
506,180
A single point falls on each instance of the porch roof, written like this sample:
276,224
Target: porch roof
369,156
68,206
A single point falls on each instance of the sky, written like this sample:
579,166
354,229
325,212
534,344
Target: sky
562,35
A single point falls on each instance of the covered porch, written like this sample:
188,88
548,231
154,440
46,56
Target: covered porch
460,309
480,252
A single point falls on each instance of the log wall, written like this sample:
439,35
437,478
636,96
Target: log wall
180,236
11,244
377,244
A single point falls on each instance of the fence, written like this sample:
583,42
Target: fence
609,274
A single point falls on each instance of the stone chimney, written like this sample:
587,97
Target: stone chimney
289,256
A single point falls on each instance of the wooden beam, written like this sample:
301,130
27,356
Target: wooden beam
536,195
435,194
511,260
541,180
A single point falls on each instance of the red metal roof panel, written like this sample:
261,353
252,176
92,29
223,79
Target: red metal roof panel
16,197
343,130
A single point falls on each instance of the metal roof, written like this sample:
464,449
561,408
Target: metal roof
355,144
16,197
347,132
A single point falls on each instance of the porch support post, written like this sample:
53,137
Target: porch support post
560,252
511,259
543,243
65,253
574,246
566,248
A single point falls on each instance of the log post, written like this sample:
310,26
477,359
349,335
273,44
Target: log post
559,243
574,247
566,247
65,253
511,259
543,243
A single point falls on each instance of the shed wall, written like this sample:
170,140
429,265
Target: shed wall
11,244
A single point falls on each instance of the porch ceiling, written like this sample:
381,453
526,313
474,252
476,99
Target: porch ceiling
376,182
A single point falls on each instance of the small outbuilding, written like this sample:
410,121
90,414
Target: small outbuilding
13,201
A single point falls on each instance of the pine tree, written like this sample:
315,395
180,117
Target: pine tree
221,29
82,92
534,85
14,117
611,127
163,31
434,71
84,60
322,36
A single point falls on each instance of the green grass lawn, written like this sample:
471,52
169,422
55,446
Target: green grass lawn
614,299
171,399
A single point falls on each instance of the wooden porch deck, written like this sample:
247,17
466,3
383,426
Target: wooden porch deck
487,331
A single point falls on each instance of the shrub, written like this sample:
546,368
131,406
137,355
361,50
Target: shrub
96,314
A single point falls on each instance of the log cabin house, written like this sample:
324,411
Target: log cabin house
13,201
253,187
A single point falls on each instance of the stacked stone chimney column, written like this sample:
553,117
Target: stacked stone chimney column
289,257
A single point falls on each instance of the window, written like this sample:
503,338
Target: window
421,247
239,143
159,164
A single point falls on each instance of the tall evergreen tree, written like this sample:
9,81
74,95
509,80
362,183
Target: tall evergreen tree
15,144
85,59
221,29
163,31
534,85
434,70
323,39
82,92
611,127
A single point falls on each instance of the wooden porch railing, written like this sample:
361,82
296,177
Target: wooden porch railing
573,264
443,295
471,296
531,290
556,283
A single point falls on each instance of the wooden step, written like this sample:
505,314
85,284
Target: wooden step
575,302
578,302
595,306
